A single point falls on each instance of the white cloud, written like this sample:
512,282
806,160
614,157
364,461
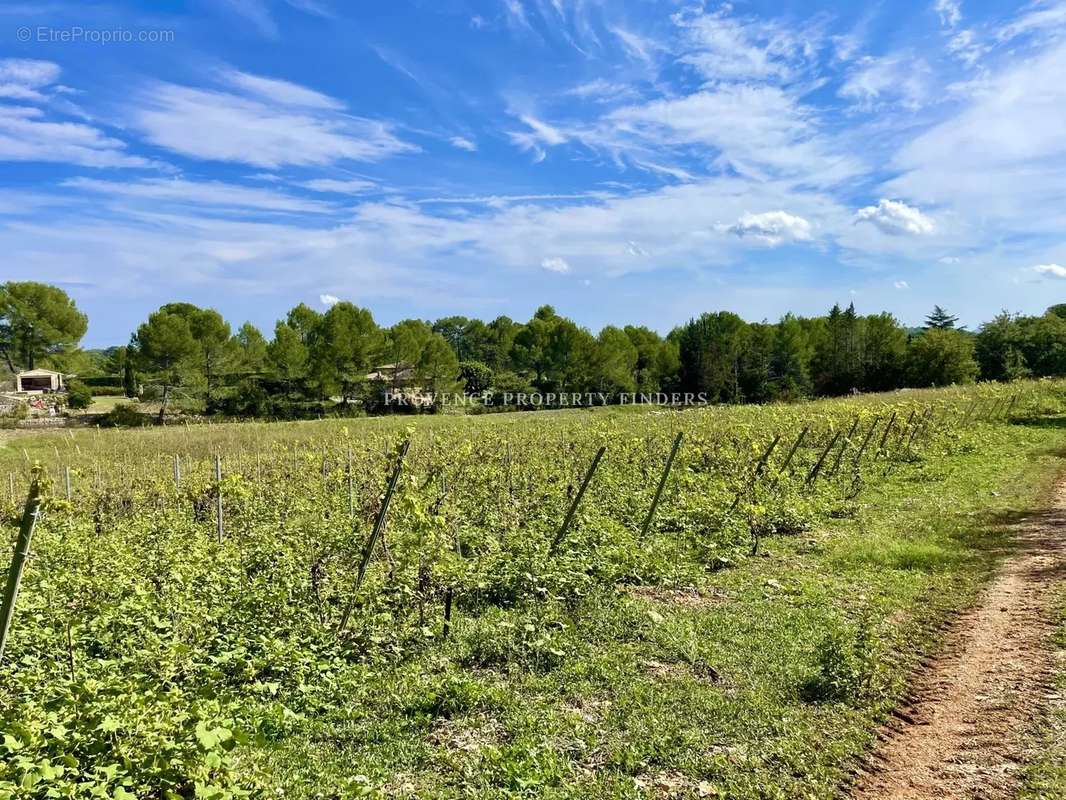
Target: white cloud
273,123
25,135
540,135
504,200
998,164
949,260
895,217
950,12
215,194
638,47
721,46
965,47
516,13
463,143
772,227
753,128
336,186
603,91
555,264
901,285
21,78
902,78
281,92
1040,18
28,71
328,299
1051,270
257,13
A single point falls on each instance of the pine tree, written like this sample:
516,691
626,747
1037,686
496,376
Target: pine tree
940,319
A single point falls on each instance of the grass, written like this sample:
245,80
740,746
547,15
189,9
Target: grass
1045,777
705,672
101,404
764,681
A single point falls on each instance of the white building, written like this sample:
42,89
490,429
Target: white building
39,380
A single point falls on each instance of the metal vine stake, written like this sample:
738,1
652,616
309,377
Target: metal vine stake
18,561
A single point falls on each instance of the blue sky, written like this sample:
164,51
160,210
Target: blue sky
624,160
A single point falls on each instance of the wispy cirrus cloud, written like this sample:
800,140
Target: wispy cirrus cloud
538,138
904,79
260,121
23,78
259,15
340,185
216,195
723,46
26,134
29,132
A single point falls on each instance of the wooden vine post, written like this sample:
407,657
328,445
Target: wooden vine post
844,447
866,442
218,496
757,472
375,533
662,484
348,478
18,561
577,501
884,436
791,454
812,476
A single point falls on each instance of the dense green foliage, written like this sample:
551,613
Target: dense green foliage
36,320
151,659
79,396
315,359
342,361
1015,346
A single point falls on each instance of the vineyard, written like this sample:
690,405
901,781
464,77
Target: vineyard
628,602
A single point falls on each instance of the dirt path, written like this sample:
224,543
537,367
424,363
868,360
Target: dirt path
966,732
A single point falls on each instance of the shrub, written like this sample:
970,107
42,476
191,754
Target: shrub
476,376
103,390
79,395
124,415
847,666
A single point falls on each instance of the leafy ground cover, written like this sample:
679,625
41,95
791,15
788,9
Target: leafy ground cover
745,646
1045,777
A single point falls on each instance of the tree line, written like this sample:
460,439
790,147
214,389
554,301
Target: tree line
342,359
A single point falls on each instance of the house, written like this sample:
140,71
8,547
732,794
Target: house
398,386
39,380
